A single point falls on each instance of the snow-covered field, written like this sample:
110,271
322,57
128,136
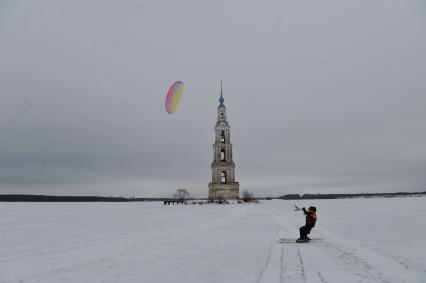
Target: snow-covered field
364,240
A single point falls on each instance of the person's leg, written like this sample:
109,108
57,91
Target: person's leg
303,232
308,231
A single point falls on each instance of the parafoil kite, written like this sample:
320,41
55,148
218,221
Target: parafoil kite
173,97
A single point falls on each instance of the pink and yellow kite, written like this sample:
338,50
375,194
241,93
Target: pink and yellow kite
173,97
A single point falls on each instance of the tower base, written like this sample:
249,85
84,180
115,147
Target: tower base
224,191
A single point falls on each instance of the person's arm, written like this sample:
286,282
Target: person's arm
304,210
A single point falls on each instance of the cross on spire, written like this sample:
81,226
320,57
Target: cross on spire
221,100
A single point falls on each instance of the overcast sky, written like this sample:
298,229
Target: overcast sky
322,96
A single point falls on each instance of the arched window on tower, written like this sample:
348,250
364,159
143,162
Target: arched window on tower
222,136
223,177
222,154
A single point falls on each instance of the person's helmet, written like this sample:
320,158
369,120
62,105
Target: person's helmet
313,208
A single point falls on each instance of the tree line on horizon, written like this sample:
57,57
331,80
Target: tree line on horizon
353,195
47,198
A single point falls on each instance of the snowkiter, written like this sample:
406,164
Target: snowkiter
311,219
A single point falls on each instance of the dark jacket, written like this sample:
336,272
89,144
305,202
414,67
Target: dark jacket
311,218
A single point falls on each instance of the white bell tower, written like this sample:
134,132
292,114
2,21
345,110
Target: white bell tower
223,185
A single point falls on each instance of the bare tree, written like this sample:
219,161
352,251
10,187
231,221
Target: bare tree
248,197
182,195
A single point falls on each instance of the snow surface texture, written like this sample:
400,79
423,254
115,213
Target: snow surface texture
364,240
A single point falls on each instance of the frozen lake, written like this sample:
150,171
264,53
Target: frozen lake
364,240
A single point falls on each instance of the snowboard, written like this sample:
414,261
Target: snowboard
286,240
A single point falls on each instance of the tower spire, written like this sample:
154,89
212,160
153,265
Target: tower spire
221,100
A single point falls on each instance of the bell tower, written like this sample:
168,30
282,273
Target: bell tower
223,185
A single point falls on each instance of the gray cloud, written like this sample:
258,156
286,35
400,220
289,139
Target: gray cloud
325,97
